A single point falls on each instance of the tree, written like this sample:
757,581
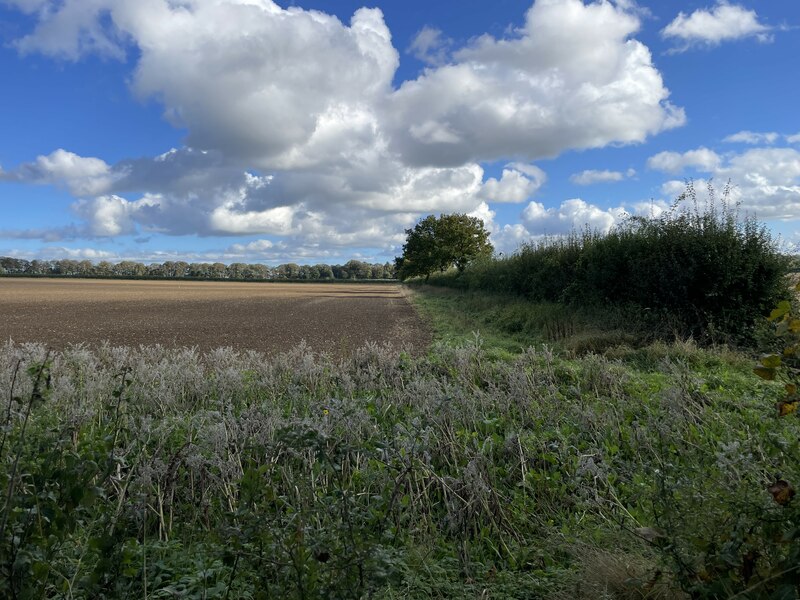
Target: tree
440,243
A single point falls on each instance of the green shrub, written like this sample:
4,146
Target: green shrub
691,272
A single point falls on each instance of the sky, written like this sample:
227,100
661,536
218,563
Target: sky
319,130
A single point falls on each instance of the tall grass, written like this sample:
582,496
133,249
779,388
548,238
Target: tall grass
158,473
696,270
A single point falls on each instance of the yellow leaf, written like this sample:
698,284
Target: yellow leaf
783,308
771,361
765,373
787,408
794,325
791,389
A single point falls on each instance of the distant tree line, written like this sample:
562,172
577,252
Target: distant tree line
353,269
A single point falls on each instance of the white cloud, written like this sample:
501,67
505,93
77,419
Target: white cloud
82,176
517,183
793,139
752,137
572,77
255,247
226,219
93,254
107,216
431,46
701,159
487,215
260,83
540,223
571,215
72,29
765,181
591,176
294,128
266,85
710,27
509,238
651,209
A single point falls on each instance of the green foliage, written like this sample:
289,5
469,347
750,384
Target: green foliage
727,522
441,243
690,272
164,473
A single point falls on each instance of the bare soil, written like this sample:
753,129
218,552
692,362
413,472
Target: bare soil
268,317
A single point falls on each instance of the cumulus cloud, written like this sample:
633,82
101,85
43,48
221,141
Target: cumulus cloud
710,27
517,183
573,214
294,128
487,215
701,159
82,176
266,84
540,223
71,30
431,46
752,137
793,139
765,181
185,191
591,176
572,77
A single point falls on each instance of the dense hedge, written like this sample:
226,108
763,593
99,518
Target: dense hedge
702,273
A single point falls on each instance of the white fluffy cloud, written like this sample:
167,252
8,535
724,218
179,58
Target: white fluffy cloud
431,46
517,184
592,176
259,82
82,176
294,128
753,137
572,215
701,159
765,181
572,77
710,27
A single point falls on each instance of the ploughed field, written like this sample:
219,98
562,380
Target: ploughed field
267,317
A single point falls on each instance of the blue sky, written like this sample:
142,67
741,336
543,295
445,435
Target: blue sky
317,131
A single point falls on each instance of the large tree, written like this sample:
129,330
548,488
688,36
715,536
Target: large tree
439,243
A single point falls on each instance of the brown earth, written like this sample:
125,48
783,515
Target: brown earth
268,317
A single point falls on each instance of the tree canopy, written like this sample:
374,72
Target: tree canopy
353,269
439,243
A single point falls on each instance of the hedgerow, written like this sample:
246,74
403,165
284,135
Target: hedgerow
693,271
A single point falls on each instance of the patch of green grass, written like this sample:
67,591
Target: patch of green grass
509,325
